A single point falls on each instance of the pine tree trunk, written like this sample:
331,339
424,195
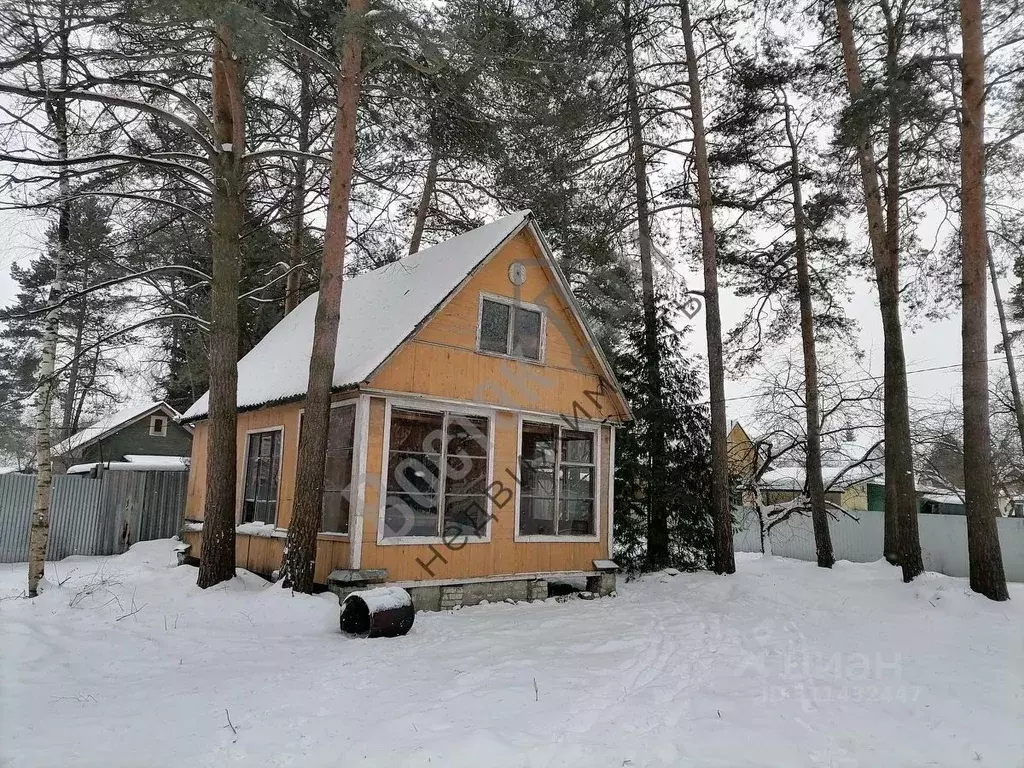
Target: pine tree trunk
901,498
904,492
1011,365
300,552
725,561
424,205
217,560
39,526
293,283
657,512
986,562
815,484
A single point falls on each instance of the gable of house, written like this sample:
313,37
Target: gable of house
443,358
138,438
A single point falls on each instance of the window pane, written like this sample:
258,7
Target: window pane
467,436
416,432
412,473
577,447
338,471
538,481
341,428
408,514
466,475
335,512
526,334
539,443
259,503
577,483
494,318
576,517
465,516
536,516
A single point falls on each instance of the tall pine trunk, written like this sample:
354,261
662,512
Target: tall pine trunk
69,424
300,552
39,525
815,484
217,561
657,512
429,182
986,562
1011,365
725,561
293,283
901,497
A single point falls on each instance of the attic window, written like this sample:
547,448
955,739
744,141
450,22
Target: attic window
511,328
158,426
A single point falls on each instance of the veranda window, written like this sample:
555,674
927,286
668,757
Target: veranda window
262,469
437,475
557,472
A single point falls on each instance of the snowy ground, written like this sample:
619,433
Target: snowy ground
127,663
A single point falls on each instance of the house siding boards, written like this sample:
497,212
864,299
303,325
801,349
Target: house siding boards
439,368
441,359
135,439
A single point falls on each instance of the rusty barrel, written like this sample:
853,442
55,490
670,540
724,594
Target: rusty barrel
380,612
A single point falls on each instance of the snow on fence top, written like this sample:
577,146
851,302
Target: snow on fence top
379,309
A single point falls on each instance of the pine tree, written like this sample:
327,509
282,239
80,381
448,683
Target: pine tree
684,420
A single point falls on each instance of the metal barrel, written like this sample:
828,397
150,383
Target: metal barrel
380,612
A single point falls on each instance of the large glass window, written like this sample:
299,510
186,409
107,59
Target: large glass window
557,474
338,470
437,475
262,467
510,329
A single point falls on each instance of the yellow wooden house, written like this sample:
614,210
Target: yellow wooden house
472,437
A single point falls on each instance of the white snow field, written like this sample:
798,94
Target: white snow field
127,663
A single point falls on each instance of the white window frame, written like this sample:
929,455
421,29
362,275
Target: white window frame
356,447
576,426
512,303
245,469
434,406
152,424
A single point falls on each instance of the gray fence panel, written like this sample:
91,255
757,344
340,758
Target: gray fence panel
73,516
164,505
92,516
17,496
943,540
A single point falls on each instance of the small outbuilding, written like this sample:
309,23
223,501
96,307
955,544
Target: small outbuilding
147,434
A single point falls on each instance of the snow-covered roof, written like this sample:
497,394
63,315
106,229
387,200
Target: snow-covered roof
795,478
111,423
379,310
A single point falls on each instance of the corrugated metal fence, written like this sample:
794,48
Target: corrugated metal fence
859,539
92,516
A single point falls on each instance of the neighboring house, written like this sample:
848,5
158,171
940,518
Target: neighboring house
848,491
141,431
473,356
845,471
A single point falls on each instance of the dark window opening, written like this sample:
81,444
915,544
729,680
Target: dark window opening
262,467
